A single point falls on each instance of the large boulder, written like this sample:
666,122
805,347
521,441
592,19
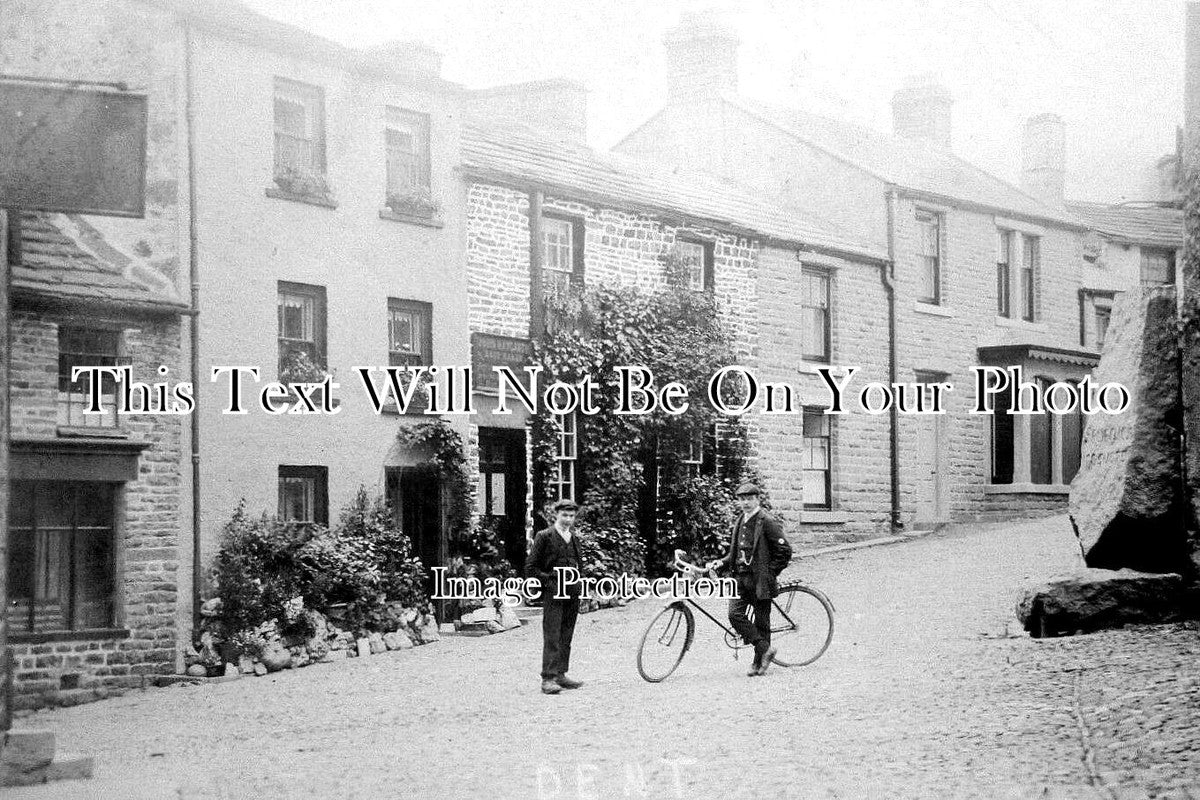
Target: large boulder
1095,599
1126,501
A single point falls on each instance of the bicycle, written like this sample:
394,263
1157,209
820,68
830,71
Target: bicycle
801,628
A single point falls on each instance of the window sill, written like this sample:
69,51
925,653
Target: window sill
1027,488
933,309
308,199
1024,324
811,367
415,409
76,432
90,635
412,219
824,517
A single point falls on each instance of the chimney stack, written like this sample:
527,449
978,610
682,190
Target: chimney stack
556,107
1044,158
701,58
921,110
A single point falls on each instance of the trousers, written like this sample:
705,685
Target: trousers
758,632
558,628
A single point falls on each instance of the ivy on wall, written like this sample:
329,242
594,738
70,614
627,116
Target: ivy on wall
640,499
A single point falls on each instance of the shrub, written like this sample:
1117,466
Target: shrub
695,516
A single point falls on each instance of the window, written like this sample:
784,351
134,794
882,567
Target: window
1071,432
60,568
1004,273
408,159
493,464
301,331
1030,255
562,251
1095,312
303,494
1003,440
929,288
815,460
562,482
697,259
299,128
410,332
814,315
1158,267
87,347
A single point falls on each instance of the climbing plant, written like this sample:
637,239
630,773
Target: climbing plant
624,461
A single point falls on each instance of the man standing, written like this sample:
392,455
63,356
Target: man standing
557,546
758,552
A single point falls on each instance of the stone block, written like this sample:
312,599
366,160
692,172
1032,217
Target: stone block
27,749
70,766
1094,599
363,646
1126,504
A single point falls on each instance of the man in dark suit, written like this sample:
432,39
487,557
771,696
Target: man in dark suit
758,552
557,546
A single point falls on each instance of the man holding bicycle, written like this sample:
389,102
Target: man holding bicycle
758,552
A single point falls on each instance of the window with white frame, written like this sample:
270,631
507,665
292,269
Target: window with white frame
303,494
1004,244
299,128
1158,266
87,347
815,459
408,157
563,480
409,333
560,248
1095,312
301,321
814,315
696,258
1031,248
929,242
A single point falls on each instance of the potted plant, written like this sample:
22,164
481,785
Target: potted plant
303,183
415,201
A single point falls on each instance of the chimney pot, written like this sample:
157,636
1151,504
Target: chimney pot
921,110
702,58
1043,168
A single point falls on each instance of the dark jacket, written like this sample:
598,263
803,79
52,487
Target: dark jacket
771,553
549,551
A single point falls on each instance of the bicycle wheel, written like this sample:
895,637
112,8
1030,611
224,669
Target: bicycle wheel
665,641
801,625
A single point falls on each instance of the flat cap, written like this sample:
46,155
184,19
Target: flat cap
747,488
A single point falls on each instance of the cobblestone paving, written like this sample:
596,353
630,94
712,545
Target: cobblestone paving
929,690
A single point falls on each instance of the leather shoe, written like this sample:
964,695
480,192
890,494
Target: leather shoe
766,660
568,683
754,665
550,687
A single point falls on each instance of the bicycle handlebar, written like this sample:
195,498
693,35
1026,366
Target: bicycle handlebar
688,567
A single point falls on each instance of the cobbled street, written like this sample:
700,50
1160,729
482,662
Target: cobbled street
929,690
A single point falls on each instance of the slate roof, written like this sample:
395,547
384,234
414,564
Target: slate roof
908,163
516,155
55,266
1146,224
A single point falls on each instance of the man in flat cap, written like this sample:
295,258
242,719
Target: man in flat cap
758,552
557,546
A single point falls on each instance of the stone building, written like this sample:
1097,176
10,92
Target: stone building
608,219
94,517
306,194
1129,245
984,272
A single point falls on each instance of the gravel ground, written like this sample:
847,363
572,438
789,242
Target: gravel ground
929,690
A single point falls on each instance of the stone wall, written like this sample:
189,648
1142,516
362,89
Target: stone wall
147,522
621,248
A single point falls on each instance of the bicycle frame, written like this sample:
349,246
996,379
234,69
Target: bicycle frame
731,636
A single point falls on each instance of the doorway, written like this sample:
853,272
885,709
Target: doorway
502,486
415,496
930,466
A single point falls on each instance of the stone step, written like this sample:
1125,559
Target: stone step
68,766
27,749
